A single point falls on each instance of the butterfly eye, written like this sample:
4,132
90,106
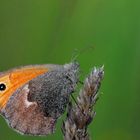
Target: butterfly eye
2,87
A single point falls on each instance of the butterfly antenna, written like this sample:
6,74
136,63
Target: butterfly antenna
80,51
75,54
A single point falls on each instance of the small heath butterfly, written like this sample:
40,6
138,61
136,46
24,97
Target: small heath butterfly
32,98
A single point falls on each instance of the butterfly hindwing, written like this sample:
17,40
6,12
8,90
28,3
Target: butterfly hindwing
27,117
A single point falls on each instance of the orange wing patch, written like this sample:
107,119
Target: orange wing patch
15,79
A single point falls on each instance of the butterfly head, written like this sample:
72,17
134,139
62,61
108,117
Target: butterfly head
72,72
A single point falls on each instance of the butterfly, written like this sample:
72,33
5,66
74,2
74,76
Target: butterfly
33,97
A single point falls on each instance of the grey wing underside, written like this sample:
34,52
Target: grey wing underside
26,117
51,91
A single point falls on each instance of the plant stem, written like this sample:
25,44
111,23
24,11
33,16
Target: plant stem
81,115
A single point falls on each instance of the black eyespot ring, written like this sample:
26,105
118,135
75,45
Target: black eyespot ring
2,87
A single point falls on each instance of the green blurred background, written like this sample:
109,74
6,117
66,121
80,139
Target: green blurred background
48,31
